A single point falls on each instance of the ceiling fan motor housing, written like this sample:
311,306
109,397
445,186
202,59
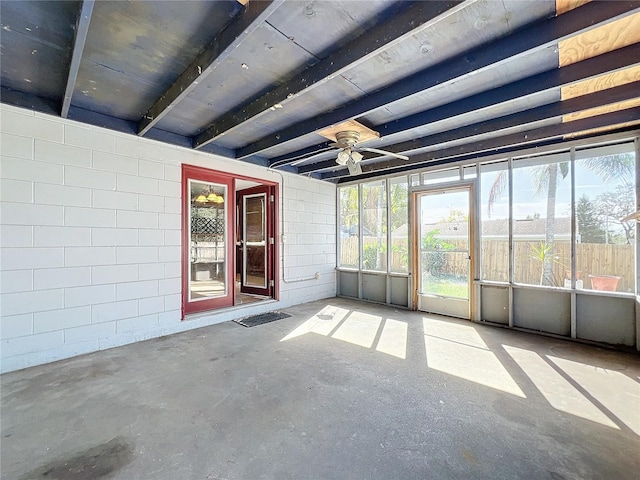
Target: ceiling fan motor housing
348,138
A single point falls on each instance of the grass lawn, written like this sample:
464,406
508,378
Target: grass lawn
445,286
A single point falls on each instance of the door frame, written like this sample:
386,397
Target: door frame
191,172
414,193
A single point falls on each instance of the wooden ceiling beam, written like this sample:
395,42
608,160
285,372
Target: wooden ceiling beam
592,69
415,16
82,29
613,96
491,145
214,54
539,35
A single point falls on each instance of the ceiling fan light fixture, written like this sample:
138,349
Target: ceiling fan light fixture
354,167
343,157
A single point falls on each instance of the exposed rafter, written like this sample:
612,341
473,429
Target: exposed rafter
503,143
553,79
484,85
529,39
82,28
364,47
239,30
546,112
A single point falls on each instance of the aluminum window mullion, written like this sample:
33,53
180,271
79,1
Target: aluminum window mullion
637,250
477,241
338,228
388,192
574,320
389,256
478,208
511,249
360,241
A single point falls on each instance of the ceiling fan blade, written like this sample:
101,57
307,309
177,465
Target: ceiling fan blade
354,167
304,159
295,160
384,152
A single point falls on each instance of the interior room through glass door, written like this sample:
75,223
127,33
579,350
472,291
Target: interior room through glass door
256,240
444,253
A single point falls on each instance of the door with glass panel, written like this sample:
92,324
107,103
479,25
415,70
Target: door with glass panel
443,226
256,241
206,272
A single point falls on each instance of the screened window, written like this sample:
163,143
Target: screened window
399,195
605,195
374,226
494,224
469,172
349,227
441,176
542,220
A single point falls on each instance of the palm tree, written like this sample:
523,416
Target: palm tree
545,179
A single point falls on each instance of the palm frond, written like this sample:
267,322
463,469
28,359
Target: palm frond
620,166
540,178
563,168
498,186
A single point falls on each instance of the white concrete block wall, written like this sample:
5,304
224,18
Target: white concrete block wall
308,248
90,238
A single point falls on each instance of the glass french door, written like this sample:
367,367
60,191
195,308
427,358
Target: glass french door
443,231
256,240
207,251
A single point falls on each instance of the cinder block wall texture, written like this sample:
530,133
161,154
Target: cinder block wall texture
91,238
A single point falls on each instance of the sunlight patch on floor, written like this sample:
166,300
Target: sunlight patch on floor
393,339
452,331
359,328
555,388
614,390
458,350
323,322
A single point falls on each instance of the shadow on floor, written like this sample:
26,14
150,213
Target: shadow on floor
341,389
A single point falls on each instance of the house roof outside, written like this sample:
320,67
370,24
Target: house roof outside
525,229
353,230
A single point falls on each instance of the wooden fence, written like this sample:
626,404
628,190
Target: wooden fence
399,253
591,259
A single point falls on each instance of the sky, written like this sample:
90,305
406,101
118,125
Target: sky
526,202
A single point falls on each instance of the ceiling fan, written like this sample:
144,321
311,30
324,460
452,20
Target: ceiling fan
345,136
349,154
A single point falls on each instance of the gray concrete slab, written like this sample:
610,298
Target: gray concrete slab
343,390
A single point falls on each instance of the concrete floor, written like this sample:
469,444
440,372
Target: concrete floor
353,391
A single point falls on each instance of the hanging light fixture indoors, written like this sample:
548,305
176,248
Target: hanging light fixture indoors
209,196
